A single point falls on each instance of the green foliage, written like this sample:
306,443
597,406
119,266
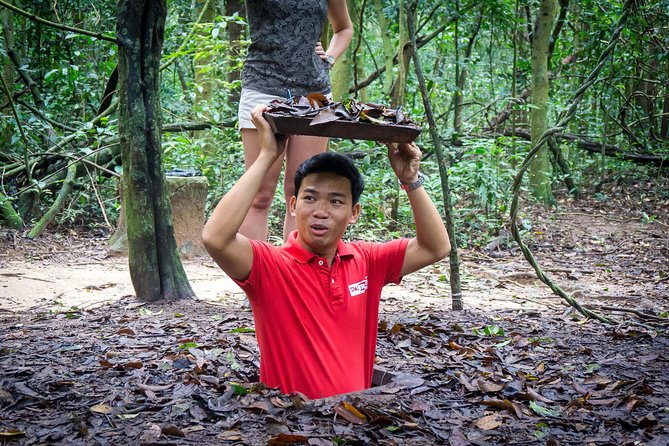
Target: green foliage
71,71
481,185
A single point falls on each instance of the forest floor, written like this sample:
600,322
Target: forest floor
83,362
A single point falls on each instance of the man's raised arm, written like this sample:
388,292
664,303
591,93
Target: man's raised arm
220,236
431,242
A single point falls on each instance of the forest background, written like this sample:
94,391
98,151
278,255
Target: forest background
497,75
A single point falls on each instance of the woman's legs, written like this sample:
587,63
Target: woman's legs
299,149
255,223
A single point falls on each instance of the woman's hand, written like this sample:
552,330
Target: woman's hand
321,52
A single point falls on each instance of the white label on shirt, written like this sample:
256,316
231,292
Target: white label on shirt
359,288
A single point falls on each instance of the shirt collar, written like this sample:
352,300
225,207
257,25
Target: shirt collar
302,255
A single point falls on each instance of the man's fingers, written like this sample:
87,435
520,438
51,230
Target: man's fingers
256,116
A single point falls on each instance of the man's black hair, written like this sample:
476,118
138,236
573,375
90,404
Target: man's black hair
330,162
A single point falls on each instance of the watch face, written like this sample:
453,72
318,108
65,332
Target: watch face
331,59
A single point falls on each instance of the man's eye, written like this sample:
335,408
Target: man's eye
337,202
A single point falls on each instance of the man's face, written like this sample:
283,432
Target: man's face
323,209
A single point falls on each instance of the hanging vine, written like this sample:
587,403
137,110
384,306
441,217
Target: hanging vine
563,120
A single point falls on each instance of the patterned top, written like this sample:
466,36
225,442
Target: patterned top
282,52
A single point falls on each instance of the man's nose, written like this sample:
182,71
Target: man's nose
322,210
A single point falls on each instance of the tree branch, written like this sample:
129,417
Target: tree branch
35,18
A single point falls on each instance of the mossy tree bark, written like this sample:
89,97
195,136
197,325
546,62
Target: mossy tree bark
405,51
155,268
539,174
388,50
7,72
342,73
8,216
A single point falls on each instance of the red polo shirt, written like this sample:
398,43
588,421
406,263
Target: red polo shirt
316,326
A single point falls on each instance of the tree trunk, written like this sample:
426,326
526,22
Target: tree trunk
404,52
155,268
540,168
204,76
388,50
6,71
444,164
341,75
204,82
457,95
664,126
235,34
462,71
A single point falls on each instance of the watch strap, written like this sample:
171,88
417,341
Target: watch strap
415,185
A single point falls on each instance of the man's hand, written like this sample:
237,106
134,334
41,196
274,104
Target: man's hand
270,143
405,161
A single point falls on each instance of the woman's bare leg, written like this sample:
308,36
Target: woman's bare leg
255,223
299,149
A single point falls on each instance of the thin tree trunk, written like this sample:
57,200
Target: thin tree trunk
462,72
235,34
563,165
404,51
664,129
155,268
388,50
457,95
540,168
6,71
341,74
204,75
58,203
358,59
444,164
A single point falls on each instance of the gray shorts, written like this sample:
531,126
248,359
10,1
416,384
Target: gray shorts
249,99
247,102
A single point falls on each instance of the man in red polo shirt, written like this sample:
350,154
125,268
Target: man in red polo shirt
315,299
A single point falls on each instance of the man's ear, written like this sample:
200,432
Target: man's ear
355,214
291,205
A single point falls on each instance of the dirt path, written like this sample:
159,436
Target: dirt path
605,261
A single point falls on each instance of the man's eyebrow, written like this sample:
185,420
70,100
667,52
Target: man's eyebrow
311,190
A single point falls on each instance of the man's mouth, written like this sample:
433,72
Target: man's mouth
318,229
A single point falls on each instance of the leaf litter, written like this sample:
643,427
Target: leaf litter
187,372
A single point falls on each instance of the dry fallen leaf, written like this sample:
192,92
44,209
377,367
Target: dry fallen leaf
489,422
350,413
101,408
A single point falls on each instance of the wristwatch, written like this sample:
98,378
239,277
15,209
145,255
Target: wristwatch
415,185
331,60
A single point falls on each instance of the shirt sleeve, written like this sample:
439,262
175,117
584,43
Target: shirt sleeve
261,265
387,258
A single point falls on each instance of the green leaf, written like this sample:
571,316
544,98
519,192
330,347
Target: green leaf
187,345
239,390
230,357
591,368
243,330
543,411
